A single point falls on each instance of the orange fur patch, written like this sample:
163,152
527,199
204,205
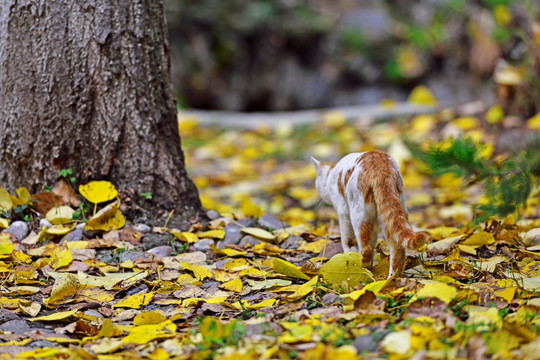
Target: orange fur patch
341,187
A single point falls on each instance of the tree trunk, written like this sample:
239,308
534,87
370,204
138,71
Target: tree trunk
85,85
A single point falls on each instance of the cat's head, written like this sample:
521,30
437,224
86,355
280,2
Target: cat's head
321,179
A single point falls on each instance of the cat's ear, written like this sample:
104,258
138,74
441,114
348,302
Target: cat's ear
316,162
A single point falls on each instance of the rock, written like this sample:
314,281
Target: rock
152,240
212,214
137,290
270,221
532,237
330,298
291,242
44,223
93,313
233,234
42,344
248,239
80,226
6,315
132,255
15,326
90,234
365,343
161,251
203,245
145,229
75,235
19,229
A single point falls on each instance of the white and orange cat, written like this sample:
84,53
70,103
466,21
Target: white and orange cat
366,190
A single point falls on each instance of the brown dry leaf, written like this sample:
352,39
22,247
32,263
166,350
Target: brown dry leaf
64,191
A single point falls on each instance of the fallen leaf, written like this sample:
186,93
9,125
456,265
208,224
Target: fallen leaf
258,233
56,316
286,268
107,219
60,215
345,267
98,191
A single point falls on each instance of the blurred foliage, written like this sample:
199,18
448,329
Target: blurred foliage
509,181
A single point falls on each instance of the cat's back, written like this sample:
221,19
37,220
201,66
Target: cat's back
372,160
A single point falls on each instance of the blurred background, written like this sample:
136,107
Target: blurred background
269,55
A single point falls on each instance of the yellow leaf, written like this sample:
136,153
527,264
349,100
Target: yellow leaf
227,252
232,285
374,287
345,267
81,244
304,289
314,247
484,317
135,301
60,215
467,249
184,236
465,122
107,219
59,229
502,15
439,290
64,286
421,95
29,308
212,234
148,318
145,333
286,268
495,114
106,345
23,194
200,272
478,239
61,256
6,204
98,191
259,233
508,75
443,232
108,329
533,123
56,316
6,246
397,342
250,209
334,119
263,304
4,223
422,124
388,103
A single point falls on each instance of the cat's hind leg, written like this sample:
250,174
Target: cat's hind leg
397,255
347,234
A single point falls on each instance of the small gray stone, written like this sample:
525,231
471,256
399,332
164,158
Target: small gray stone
42,344
270,221
152,240
233,234
93,313
131,255
137,290
330,298
19,229
248,239
212,214
161,251
6,315
44,223
532,237
291,242
15,326
75,235
145,229
80,226
365,343
203,245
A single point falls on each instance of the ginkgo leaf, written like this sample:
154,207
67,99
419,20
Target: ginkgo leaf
98,191
148,317
398,342
213,234
421,95
304,289
234,285
259,233
145,333
59,229
200,272
345,267
188,237
439,290
6,245
6,204
56,316
61,256
478,239
135,301
64,286
286,268
107,219
4,223
60,215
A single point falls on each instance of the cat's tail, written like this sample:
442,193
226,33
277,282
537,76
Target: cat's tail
387,192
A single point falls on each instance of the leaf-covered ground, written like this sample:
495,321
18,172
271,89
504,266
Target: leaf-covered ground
256,282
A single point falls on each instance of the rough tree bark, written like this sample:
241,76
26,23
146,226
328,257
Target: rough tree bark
85,84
